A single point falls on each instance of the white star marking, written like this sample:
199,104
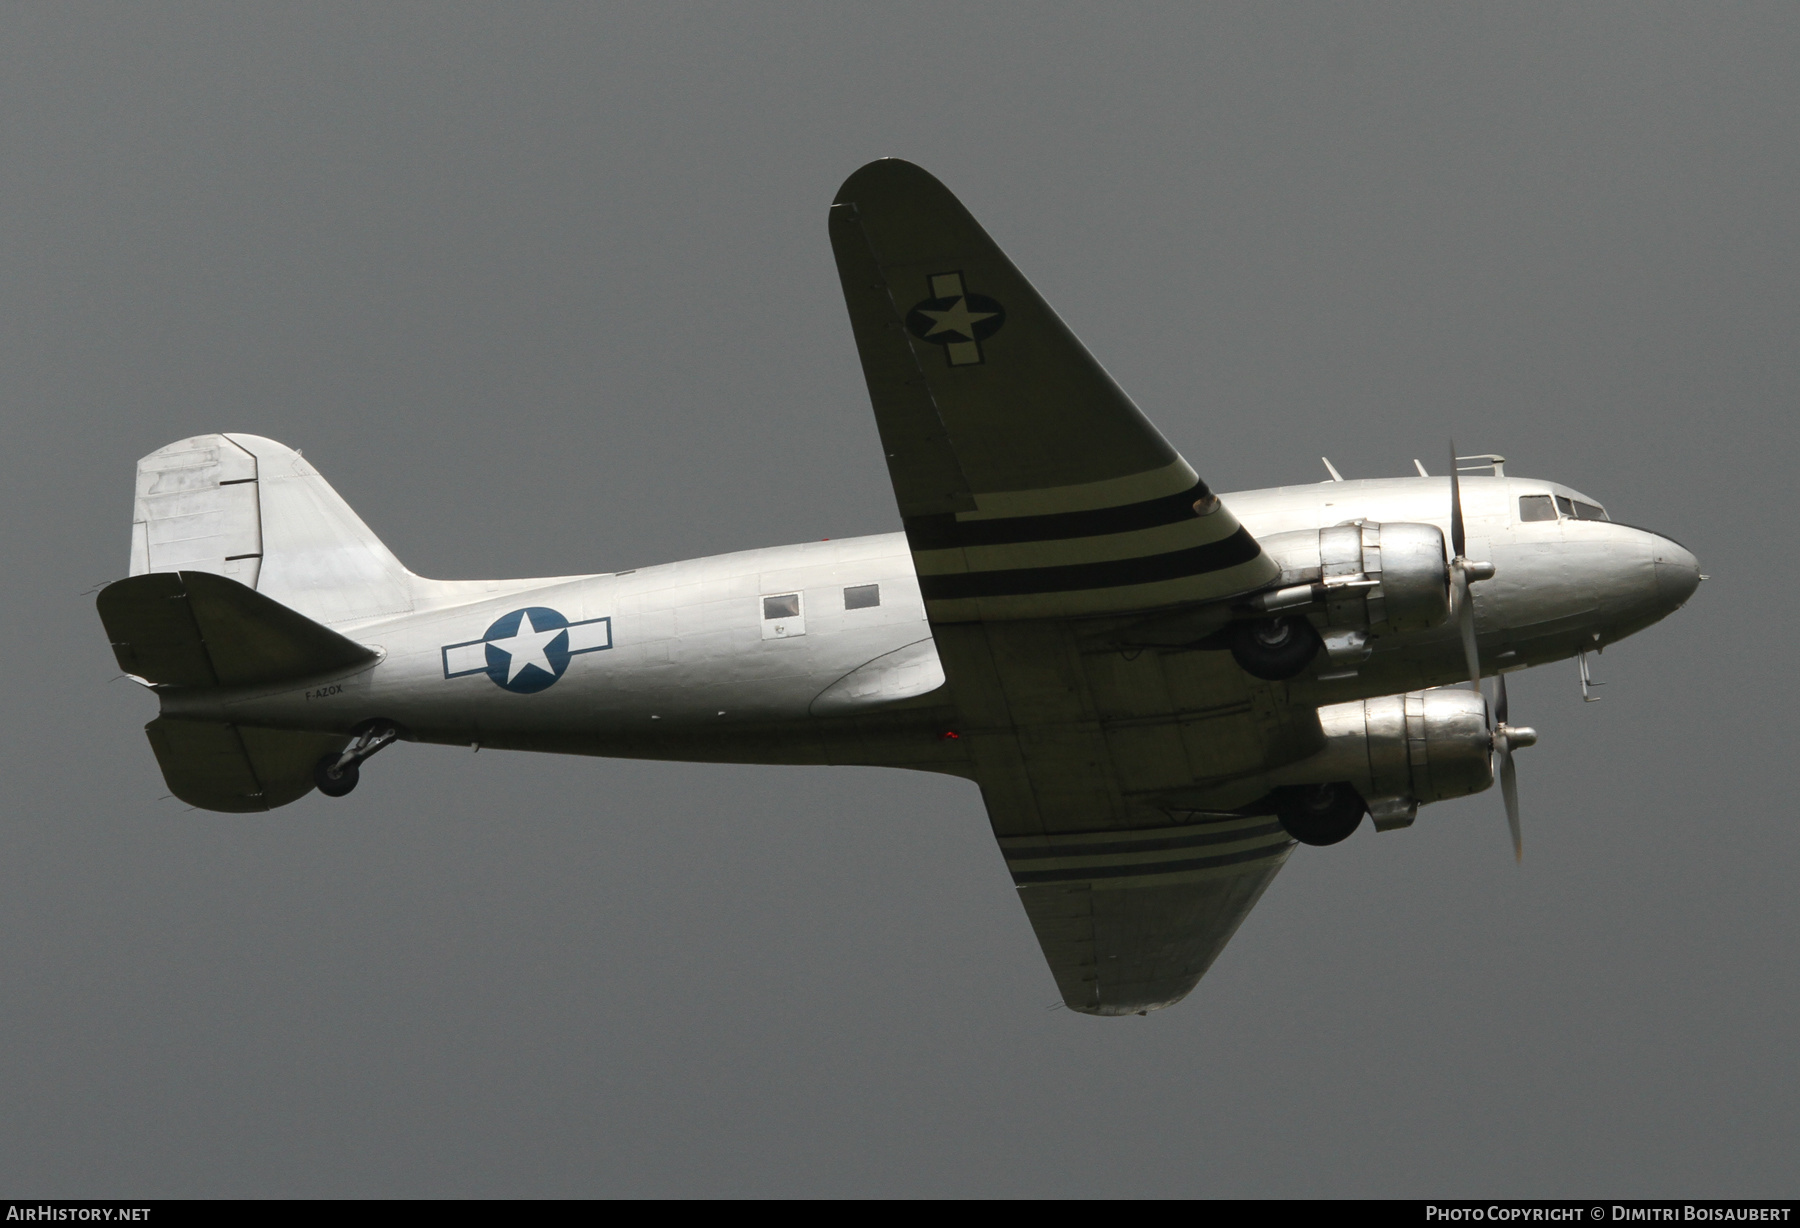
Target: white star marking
526,647
958,319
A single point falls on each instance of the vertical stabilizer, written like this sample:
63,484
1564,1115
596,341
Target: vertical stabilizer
252,509
318,556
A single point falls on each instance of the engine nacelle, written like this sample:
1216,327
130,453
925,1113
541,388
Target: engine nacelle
1364,576
1402,750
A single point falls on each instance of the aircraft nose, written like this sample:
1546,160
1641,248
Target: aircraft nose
1677,571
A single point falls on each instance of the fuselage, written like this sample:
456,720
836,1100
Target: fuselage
820,652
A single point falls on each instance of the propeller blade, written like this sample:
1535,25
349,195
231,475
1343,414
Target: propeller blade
1465,622
1506,740
1509,790
1458,545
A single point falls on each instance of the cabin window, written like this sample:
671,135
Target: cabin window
862,596
785,606
1536,507
1588,511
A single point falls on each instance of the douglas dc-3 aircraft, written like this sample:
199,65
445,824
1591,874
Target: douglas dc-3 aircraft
1159,689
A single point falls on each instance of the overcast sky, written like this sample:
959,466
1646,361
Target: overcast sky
547,289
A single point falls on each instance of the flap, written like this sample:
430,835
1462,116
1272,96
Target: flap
1029,484
192,628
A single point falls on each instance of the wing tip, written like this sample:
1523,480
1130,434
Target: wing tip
885,176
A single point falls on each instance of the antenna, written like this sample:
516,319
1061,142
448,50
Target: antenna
1420,468
1332,469
1486,460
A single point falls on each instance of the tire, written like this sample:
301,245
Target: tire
333,781
1274,649
1319,814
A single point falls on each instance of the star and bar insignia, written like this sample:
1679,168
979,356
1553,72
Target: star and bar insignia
527,650
955,319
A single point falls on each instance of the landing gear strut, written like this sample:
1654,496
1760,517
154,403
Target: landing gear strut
1319,814
337,774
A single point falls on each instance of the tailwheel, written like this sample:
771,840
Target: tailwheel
337,774
1319,814
335,781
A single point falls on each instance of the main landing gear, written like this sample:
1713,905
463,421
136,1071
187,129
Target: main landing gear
1319,814
336,775
1274,649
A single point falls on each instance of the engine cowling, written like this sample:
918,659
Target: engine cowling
1365,576
1403,750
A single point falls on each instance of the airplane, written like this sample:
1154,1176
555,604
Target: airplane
1159,690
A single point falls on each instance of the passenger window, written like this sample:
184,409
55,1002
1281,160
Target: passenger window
785,606
1536,507
1587,511
1563,506
862,596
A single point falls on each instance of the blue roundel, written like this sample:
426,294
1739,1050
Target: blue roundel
528,649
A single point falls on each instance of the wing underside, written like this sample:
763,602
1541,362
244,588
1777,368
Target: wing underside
1030,485
1085,756
1040,505
1130,921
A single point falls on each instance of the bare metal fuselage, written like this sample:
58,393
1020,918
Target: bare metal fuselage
694,672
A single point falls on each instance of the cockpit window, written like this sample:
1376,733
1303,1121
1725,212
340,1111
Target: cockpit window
1541,507
1536,507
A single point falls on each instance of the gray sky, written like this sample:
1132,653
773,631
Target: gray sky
547,290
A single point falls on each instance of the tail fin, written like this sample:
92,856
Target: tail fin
254,511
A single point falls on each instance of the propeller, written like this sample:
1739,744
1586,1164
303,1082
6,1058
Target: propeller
1463,572
1506,739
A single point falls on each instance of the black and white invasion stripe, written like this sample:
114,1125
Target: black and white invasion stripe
1154,855
1022,556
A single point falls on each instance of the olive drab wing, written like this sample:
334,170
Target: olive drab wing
1033,494
1029,484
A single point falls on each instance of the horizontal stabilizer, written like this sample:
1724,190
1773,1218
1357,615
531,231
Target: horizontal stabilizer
237,769
192,628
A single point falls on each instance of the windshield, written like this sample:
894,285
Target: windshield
1548,507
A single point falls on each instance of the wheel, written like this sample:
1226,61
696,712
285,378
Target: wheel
1274,649
332,780
1319,814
